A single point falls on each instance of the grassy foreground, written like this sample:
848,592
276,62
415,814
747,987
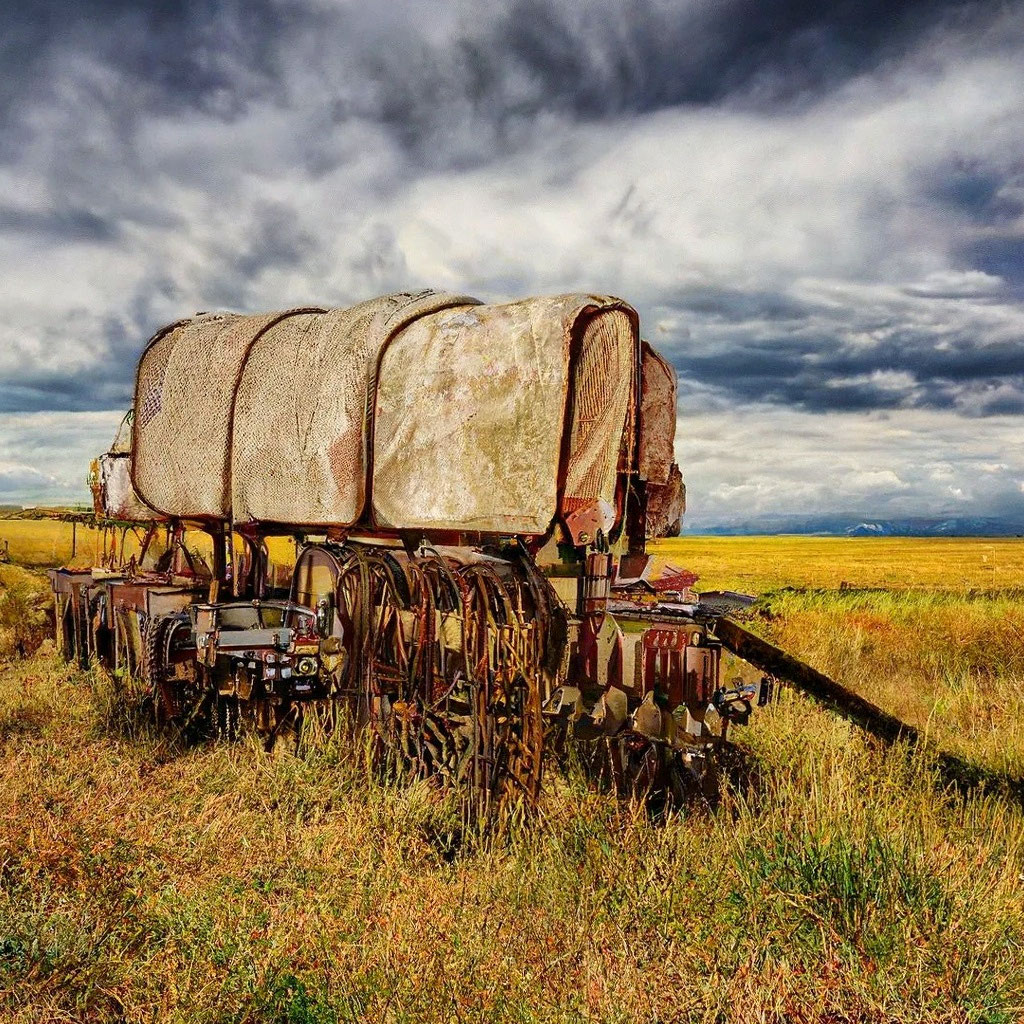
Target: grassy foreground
143,883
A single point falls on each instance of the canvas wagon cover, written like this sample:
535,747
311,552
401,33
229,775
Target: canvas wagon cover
456,411
184,394
471,411
114,496
300,425
657,417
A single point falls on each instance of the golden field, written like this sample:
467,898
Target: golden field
45,542
756,564
49,542
749,564
147,883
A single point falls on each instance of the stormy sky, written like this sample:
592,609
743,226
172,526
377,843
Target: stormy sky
818,210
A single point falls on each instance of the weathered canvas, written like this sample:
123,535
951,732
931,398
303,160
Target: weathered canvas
490,418
300,421
471,413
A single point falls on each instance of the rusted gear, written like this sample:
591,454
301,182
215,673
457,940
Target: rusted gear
180,700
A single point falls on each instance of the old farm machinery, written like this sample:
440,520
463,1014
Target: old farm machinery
470,488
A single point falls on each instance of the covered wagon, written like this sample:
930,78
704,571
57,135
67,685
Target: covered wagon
464,480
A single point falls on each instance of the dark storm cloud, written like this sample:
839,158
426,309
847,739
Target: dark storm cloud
274,240
788,353
58,224
181,53
1000,255
495,70
736,306
463,96
101,383
824,385
94,389
979,192
641,56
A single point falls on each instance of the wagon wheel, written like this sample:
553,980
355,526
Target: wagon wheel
468,715
388,641
430,724
351,600
179,695
444,696
507,731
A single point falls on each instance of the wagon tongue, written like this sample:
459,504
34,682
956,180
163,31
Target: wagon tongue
956,771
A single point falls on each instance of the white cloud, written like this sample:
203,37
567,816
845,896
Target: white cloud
46,456
764,460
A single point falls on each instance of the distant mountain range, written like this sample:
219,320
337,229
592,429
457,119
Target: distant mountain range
853,525
831,524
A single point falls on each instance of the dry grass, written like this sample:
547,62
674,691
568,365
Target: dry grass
951,664
142,883
26,614
45,541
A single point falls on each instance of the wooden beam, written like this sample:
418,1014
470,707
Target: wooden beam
956,771
838,698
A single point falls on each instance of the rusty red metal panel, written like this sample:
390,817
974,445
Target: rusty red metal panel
657,417
663,654
656,639
701,670
666,504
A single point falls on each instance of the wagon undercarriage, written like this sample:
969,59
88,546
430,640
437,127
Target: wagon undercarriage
462,666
